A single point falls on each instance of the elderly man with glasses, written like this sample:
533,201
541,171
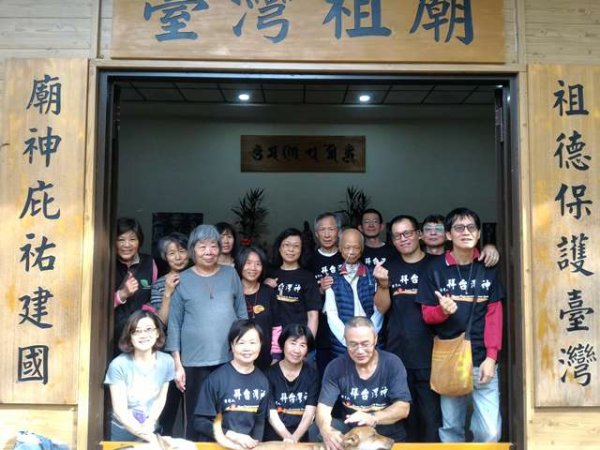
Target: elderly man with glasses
368,385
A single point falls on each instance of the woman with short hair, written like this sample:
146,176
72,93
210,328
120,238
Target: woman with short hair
294,388
134,273
250,263
138,379
207,300
229,243
237,390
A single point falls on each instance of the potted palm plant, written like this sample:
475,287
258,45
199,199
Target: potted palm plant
251,215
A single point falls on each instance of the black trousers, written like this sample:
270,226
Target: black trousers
171,409
194,377
425,418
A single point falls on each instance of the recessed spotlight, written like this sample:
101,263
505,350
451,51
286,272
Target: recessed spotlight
499,86
364,98
244,97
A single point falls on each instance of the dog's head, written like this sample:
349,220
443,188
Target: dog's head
366,438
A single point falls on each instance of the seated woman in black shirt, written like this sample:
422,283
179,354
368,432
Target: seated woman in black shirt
237,390
294,388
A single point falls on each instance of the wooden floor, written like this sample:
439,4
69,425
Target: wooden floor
404,446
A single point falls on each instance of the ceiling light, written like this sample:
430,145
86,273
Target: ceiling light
364,98
244,97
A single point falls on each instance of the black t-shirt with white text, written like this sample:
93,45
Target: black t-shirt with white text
407,334
290,398
387,385
241,398
262,308
297,293
461,282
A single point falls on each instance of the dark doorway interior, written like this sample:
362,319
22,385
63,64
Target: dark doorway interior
133,104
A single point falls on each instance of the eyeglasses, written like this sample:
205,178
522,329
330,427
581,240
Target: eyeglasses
353,346
460,228
404,234
371,222
141,331
433,228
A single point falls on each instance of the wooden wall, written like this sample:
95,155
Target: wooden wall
537,31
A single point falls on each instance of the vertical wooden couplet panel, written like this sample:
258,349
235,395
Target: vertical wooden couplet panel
310,30
564,118
41,191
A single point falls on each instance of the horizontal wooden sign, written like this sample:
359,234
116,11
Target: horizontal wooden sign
303,153
564,117
460,31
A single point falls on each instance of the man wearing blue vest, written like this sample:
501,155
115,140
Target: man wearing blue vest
352,291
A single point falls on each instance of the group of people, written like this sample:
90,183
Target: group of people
312,344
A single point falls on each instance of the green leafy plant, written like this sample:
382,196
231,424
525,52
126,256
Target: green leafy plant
355,203
251,215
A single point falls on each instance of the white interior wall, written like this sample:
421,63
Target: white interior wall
413,166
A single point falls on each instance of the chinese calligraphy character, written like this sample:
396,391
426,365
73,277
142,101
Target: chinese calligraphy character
575,100
269,16
273,152
576,205
34,204
312,153
437,13
577,360
578,254
46,145
290,152
371,28
33,363
331,152
574,155
576,312
257,153
46,92
175,17
349,154
41,261
35,308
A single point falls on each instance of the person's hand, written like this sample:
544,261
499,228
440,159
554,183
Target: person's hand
271,282
333,439
180,378
243,440
171,282
146,432
325,283
130,287
381,274
486,370
489,255
359,418
448,305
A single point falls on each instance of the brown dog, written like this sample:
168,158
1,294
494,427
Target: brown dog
358,438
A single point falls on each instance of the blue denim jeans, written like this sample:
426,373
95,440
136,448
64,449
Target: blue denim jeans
486,423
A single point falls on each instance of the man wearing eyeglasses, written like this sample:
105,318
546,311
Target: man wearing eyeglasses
367,387
453,288
433,234
406,333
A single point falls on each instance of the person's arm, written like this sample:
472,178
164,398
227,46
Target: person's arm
128,287
278,425
383,300
492,340
333,319
393,413
307,419
332,438
258,430
239,301
204,426
159,404
313,321
118,397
